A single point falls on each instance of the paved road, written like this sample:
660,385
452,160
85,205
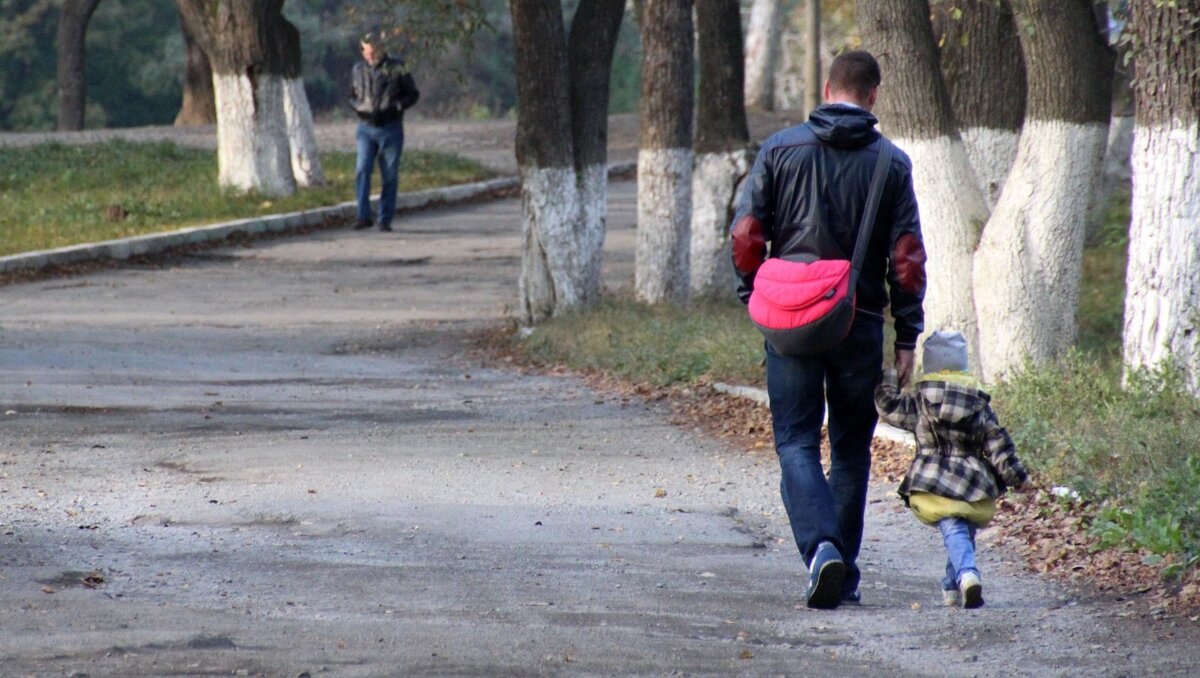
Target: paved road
284,460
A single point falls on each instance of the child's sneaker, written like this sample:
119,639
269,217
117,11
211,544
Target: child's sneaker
951,598
971,589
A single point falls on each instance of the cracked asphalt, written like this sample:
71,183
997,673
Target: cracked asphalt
285,459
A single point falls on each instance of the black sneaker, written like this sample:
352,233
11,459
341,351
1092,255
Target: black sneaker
362,224
851,597
386,228
825,578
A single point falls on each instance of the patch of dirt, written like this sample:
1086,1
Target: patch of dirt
1048,534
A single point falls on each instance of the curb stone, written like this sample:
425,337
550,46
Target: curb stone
759,395
152,243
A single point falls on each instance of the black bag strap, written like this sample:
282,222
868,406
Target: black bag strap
872,208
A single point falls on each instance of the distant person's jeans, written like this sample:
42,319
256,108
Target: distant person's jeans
845,376
959,537
386,143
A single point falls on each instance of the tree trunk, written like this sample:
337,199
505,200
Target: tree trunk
814,84
301,133
199,105
246,44
593,41
1029,261
763,34
722,143
550,269
72,72
665,152
1162,304
914,107
984,72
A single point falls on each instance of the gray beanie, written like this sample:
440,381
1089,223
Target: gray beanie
945,350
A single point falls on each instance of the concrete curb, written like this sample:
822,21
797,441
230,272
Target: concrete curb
758,395
125,248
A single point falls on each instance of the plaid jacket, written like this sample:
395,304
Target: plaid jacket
962,451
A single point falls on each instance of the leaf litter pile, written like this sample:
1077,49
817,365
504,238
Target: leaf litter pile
1047,533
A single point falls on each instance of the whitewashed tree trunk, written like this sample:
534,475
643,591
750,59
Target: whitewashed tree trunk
664,228
1162,305
953,214
1028,267
715,180
550,265
252,141
302,139
593,205
991,152
763,34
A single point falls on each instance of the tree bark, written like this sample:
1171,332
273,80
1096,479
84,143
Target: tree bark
1029,262
593,41
985,74
301,132
246,43
1162,303
72,68
722,144
665,152
763,35
915,109
814,84
199,105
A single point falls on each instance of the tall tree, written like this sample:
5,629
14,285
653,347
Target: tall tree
914,104
985,74
561,149
722,142
254,53
1162,304
764,31
665,152
199,105
72,72
1031,252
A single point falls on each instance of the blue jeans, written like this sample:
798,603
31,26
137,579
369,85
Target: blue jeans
821,509
386,143
959,537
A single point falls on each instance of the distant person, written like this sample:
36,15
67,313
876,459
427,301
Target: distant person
964,460
806,196
381,89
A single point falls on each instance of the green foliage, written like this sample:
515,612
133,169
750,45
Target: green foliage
1128,449
1102,295
660,345
56,195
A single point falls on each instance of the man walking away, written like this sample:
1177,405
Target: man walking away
381,89
806,195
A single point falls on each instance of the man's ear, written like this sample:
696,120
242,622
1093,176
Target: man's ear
827,91
872,94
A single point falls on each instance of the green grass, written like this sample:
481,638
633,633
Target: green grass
56,195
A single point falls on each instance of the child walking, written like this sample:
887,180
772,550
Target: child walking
964,459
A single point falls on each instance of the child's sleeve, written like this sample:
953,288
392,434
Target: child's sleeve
1001,452
895,407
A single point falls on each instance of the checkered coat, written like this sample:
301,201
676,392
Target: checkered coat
962,451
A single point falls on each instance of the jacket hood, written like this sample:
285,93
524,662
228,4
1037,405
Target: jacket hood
952,397
843,126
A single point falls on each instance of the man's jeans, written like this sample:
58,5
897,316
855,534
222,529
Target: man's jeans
819,509
959,537
386,143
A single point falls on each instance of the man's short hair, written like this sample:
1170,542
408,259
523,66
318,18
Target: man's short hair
372,38
855,71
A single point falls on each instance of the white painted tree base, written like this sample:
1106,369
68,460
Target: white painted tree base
714,191
302,139
1162,303
550,264
992,153
252,142
664,225
593,201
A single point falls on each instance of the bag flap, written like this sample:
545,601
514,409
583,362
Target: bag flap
790,285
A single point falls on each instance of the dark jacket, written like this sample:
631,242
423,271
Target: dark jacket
806,195
380,94
962,450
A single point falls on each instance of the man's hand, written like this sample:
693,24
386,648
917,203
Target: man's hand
904,365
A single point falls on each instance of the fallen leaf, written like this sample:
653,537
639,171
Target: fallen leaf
660,493
746,654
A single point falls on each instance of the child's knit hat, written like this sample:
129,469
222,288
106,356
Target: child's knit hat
945,350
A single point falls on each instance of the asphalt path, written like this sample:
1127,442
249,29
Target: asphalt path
285,459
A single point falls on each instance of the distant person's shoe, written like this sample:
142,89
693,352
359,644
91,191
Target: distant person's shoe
851,597
951,598
386,228
825,576
971,589
362,224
